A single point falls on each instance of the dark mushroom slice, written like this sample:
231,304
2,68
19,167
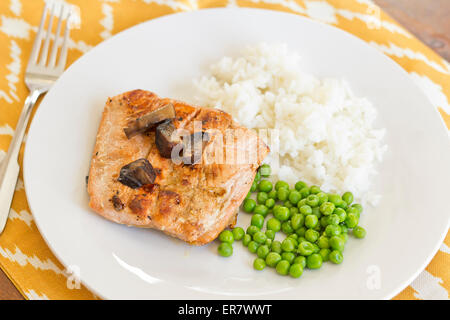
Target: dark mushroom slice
166,138
193,146
137,174
149,120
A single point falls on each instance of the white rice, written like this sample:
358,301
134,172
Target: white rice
326,133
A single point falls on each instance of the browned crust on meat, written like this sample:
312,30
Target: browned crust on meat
191,202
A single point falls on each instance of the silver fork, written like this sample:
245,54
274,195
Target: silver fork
42,71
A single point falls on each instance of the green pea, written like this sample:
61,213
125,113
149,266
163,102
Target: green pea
294,197
332,230
340,213
260,237
281,213
300,239
351,221
342,205
337,243
293,236
301,231
257,176
288,204
251,230
287,245
261,209
265,170
311,221
312,235
300,185
312,200
358,207
327,208
314,261
286,227
226,236
283,267
282,194
270,203
297,221
259,264
354,211
246,240
314,190
254,186
294,241
344,228
262,251
323,242
270,234
334,199
359,232
238,233
344,236
316,212
296,270
272,194
293,210
323,197
301,203
316,248
325,253
348,197
288,256
324,221
257,220
272,259
225,249
276,246
253,246
281,184
304,192
301,260
249,194
336,257
262,197
333,219
265,186
249,205
273,224
268,242
305,210
305,248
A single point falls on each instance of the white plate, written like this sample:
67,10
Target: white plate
163,55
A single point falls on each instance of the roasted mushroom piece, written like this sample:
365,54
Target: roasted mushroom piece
166,138
137,174
149,120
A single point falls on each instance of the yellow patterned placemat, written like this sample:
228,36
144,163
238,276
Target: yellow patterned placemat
25,257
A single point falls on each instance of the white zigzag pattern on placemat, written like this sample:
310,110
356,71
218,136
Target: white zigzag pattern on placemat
429,287
394,50
6,130
23,215
22,259
32,295
432,90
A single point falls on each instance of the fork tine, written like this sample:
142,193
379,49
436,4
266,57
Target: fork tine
63,55
37,41
52,62
43,59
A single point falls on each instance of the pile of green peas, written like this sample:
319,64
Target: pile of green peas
315,224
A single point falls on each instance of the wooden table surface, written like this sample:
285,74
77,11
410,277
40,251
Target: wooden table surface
427,19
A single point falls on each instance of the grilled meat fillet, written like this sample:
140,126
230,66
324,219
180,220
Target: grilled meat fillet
191,202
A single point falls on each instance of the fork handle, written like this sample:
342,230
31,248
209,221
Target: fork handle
9,167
